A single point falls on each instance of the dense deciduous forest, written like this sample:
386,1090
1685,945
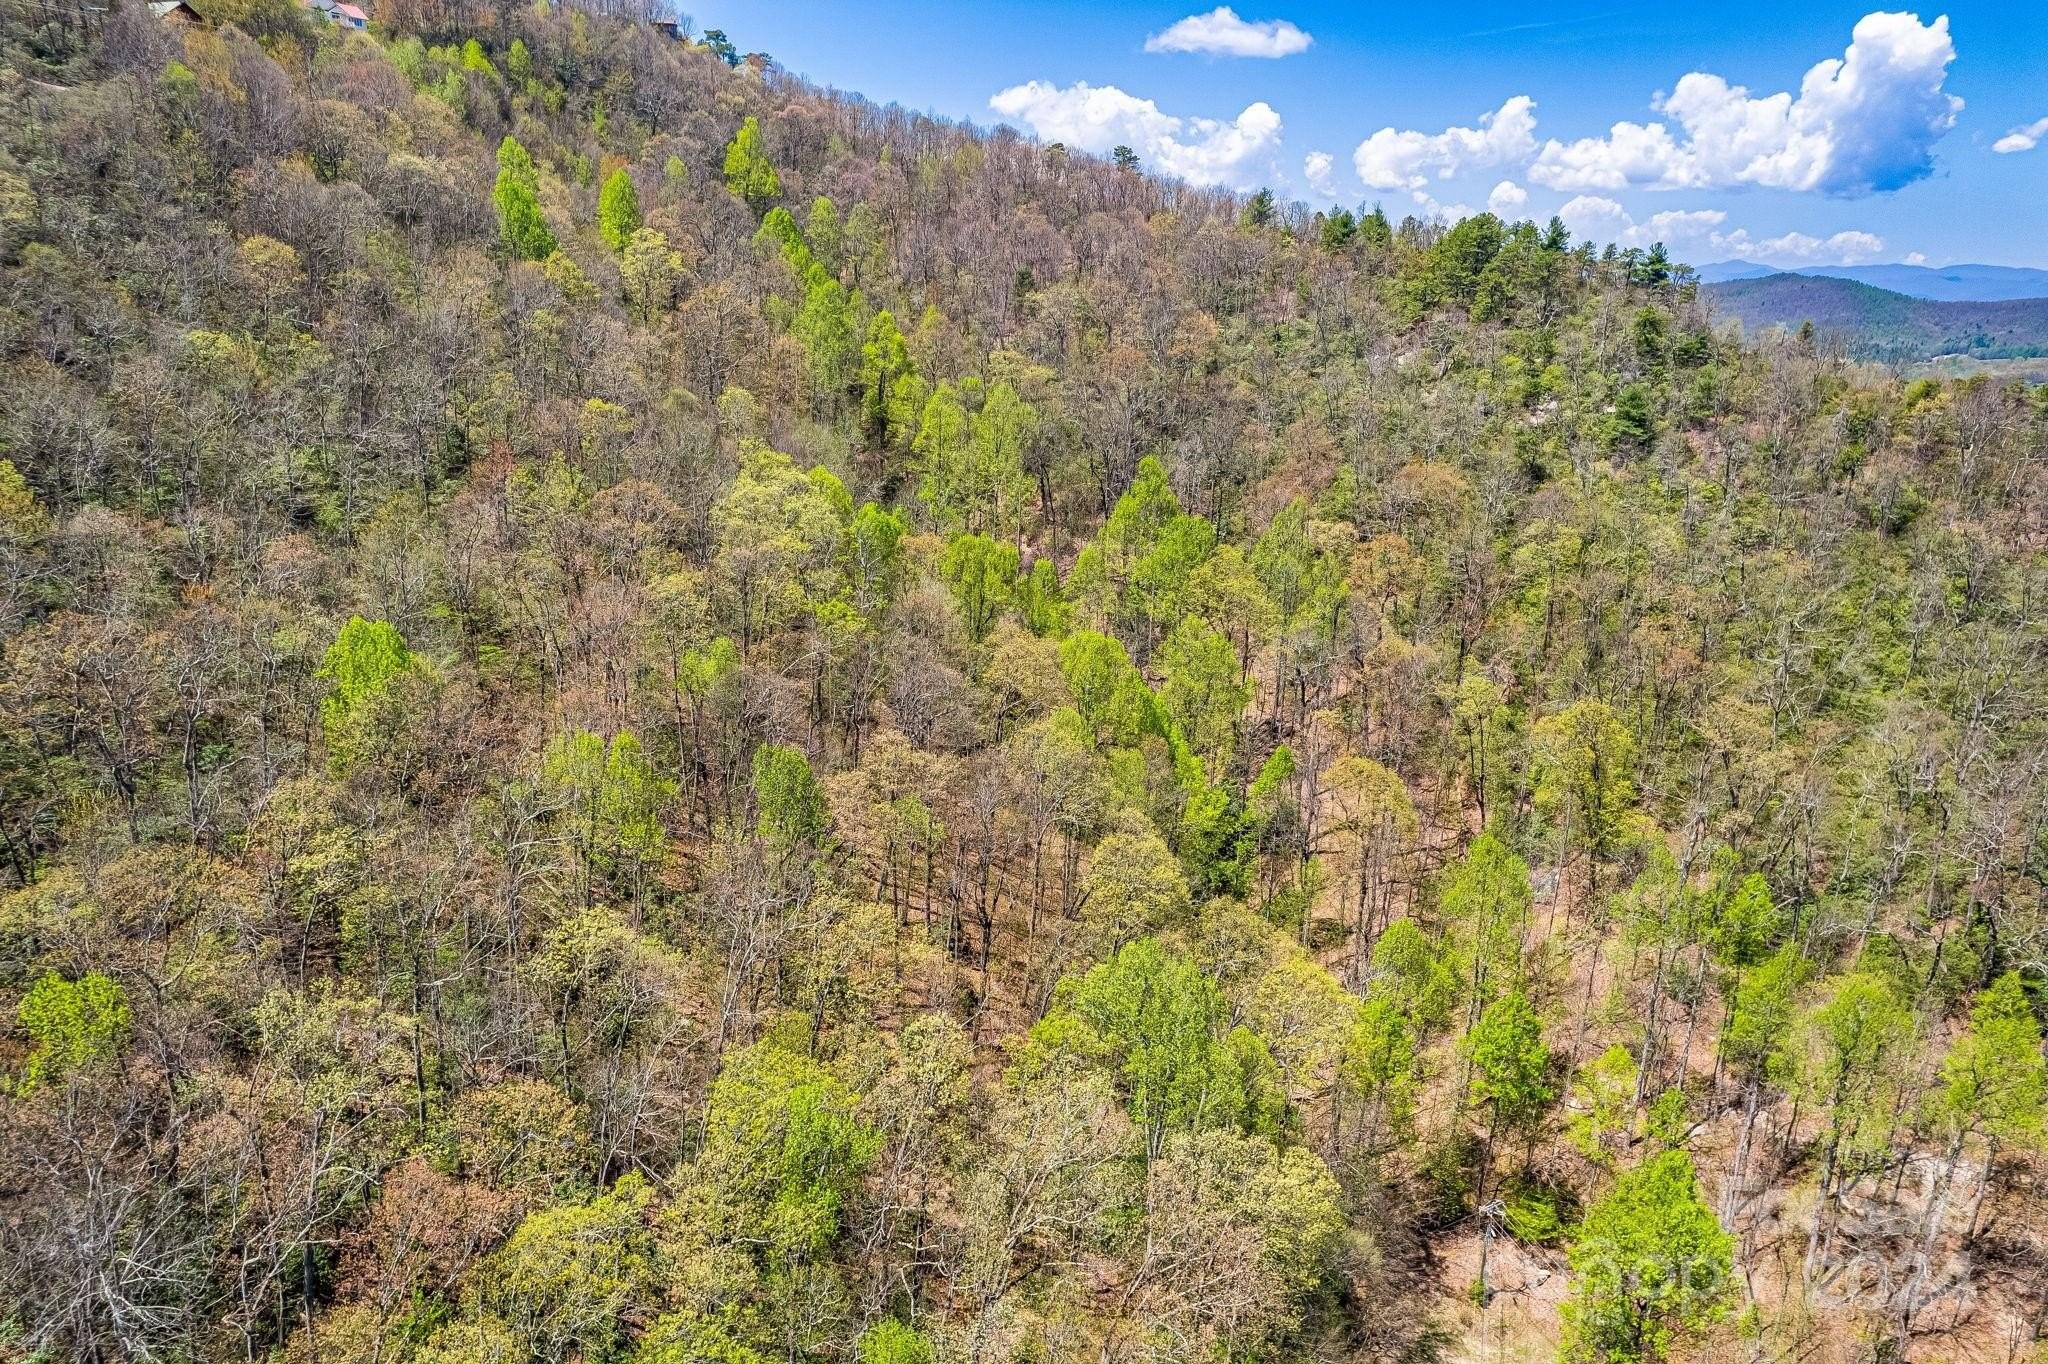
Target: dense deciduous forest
649,713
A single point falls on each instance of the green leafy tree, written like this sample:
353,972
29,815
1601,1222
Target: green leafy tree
616,798
618,210
1449,272
889,1341
993,486
1161,1028
1381,1071
361,664
1134,886
1155,587
1994,1083
364,657
1140,517
784,1148
650,273
721,46
779,231
1763,1008
1633,423
1042,600
1654,269
563,1281
825,323
1846,1058
748,171
778,532
892,396
73,1024
473,59
1849,1055
1994,1079
1511,1061
750,1235
826,233
1409,972
1226,591
567,276
1650,333
1107,688
1520,274
516,195
793,813
1603,1104
1748,924
1651,1268
1303,583
1375,231
1279,1206
692,1335
983,577
1485,899
1511,1067
827,329
1755,1040
1203,690
1584,772
873,558
941,450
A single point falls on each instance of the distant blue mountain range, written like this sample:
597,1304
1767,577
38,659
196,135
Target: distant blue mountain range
1945,284
1883,324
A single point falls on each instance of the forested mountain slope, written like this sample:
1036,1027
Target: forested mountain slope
1949,283
650,714
1877,324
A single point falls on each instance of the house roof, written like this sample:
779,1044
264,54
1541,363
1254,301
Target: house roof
348,11
172,9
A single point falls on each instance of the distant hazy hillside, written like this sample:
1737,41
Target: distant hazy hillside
1879,324
1948,283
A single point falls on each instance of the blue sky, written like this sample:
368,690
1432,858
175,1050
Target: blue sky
1709,126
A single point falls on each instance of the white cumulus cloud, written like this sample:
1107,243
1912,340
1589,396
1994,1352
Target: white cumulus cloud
1404,159
2023,138
1237,153
1840,248
1220,33
1507,199
1427,208
1864,122
1701,235
1316,168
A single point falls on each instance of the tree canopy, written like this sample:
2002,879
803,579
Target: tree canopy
653,713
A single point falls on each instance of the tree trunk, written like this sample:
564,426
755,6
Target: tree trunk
1930,1232
1983,1189
1738,1172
